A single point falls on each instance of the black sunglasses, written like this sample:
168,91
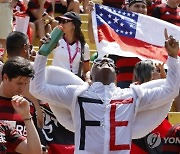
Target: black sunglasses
63,21
99,61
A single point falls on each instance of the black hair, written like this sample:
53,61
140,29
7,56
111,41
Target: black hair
79,35
15,42
17,66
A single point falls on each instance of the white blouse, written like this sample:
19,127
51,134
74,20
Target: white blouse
61,55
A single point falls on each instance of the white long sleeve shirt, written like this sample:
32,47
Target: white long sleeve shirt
105,117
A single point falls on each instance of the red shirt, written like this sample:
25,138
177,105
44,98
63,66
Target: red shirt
9,138
33,5
168,14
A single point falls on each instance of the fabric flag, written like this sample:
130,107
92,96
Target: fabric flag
130,34
54,135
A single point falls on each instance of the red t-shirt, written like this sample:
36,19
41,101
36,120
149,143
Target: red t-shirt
9,138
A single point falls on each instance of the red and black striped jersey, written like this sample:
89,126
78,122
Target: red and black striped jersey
9,138
166,13
124,67
10,116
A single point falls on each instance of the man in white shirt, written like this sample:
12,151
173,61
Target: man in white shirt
104,117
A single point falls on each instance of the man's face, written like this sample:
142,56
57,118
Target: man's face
103,69
15,86
138,8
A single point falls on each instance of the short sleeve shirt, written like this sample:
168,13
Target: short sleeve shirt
61,55
9,138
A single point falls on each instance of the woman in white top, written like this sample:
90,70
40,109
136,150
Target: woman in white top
72,48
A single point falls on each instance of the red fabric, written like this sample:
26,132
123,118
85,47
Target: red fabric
170,14
131,44
10,138
137,150
163,128
60,149
29,33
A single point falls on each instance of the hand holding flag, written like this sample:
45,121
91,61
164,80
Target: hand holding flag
130,34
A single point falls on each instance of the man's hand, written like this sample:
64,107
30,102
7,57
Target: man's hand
171,45
90,7
45,40
21,105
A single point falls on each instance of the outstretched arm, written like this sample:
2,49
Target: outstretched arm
57,87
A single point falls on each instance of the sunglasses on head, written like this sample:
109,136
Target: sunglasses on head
63,21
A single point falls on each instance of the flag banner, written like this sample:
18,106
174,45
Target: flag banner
130,34
22,22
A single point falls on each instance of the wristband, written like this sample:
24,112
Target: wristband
26,119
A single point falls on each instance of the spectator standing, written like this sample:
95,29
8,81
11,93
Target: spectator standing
72,52
124,65
53,134
151,4
168,11
16,74
18,45
96,108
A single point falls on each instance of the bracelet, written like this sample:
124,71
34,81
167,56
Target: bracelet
26,119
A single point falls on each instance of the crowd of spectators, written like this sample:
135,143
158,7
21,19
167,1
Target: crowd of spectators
26,120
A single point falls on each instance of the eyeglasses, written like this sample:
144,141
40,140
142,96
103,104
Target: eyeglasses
63,21
100,60
108,60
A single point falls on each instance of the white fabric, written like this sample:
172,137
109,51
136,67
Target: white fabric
22,23
6,15
61,55
151,102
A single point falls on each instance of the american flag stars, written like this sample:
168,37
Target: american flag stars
121,21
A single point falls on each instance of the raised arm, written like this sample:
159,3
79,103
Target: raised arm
55,87
159,95
32,144
90,7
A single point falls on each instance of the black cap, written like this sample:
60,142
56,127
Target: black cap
131,2
75,17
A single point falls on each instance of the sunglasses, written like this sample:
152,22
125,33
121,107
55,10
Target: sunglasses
108,60
63,21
